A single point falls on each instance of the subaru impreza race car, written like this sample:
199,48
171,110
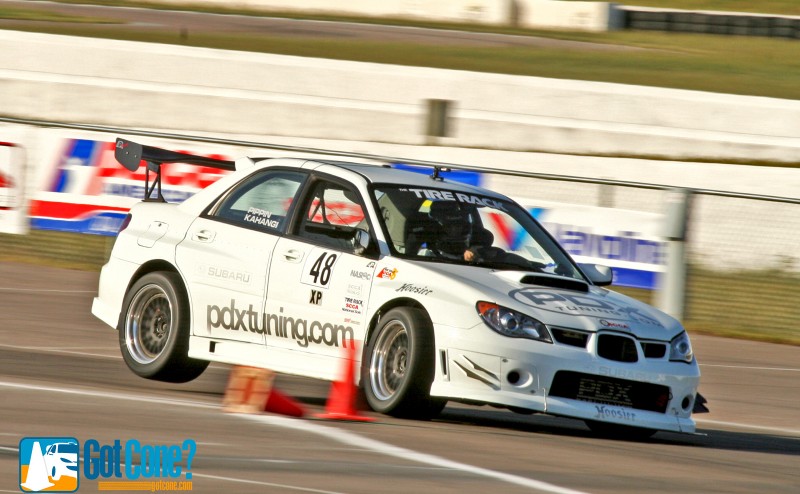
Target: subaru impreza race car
449,291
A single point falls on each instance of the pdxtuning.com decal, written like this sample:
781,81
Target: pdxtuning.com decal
302,331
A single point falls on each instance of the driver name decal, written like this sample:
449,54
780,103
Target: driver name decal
261,217
301,330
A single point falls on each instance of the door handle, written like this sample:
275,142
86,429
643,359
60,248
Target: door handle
293,255
203,236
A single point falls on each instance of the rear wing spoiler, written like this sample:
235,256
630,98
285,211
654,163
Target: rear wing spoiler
130,155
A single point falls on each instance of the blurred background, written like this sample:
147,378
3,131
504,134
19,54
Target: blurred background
660,138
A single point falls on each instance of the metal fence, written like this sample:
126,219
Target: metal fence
744,260
705,22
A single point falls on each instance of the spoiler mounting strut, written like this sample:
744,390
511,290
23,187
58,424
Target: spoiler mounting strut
130,155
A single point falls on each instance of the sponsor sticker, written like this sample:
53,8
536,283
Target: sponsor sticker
387,274
411,288
353,305
446,195
605,412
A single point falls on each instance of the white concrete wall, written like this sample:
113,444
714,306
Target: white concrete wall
536,14
133,84
568,15
472,11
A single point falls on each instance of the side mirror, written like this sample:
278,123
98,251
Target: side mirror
361,241
598,274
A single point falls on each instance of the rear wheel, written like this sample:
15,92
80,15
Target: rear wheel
154,330
399,366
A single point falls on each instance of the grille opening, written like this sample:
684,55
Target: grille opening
608,390
617,348
571,338
654,350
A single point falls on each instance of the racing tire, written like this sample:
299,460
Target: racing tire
154,330
617,431
399,366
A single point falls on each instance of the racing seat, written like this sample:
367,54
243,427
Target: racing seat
419,230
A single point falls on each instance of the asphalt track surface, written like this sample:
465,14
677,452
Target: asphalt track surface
61,375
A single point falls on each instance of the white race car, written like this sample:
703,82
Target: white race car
451,292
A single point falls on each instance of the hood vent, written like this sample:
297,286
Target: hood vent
555,282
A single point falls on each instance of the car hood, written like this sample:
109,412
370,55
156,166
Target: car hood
559,301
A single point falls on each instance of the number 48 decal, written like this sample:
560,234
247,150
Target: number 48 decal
319,274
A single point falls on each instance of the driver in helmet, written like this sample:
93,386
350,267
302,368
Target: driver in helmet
459,235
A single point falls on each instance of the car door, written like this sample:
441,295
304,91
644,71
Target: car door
227,252
320,281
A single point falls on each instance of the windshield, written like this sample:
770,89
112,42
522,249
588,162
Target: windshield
448,226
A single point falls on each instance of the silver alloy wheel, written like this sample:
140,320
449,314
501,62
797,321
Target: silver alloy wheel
389,360
148,323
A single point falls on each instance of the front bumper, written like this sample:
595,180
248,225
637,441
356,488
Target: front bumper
480,366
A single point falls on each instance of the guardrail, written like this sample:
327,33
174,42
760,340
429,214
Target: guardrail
389,159
708,22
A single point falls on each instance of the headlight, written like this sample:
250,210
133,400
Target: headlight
680,349
511,323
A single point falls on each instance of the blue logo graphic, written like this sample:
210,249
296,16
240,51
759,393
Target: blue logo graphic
48,464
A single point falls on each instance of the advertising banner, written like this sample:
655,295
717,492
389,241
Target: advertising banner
13,217
627,241
83,189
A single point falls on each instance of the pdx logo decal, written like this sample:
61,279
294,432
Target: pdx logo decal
581,305
48,464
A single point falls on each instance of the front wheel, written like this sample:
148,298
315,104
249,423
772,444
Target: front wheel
399,366
154,330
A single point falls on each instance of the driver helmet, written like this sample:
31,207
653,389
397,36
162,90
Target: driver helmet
455,225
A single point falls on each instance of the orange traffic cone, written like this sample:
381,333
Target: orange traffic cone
278,402
251,390
342,399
